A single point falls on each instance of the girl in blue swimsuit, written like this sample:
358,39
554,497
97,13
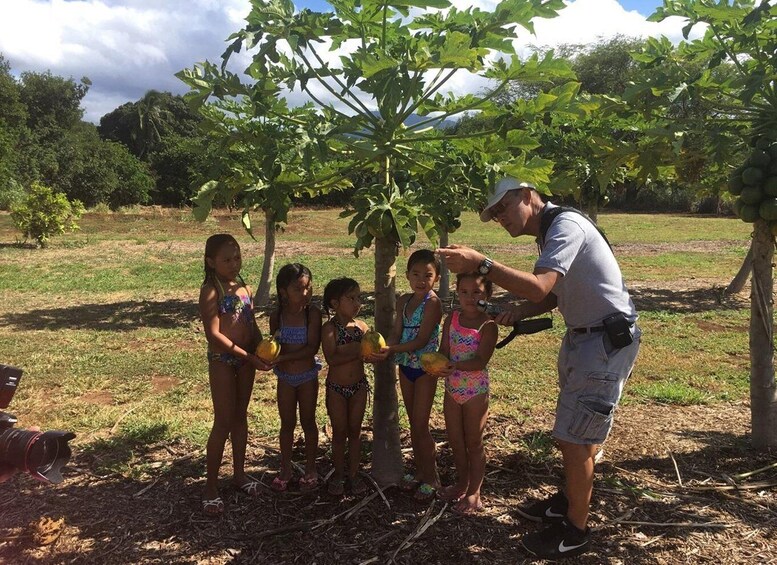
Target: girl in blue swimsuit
227,316
297,327
416,331
347,389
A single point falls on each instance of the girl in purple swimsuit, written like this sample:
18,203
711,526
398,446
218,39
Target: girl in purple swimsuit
297,327
347,388
468,340
227,316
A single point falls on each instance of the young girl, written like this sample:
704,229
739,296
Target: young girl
468,340
416,331
227,315
297,326
347,388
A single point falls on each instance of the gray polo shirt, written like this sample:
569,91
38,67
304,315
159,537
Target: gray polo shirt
591,286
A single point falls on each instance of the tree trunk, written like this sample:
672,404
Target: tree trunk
738,282
763,395
386,452
445,276
262,297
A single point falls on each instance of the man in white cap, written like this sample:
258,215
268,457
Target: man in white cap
578,273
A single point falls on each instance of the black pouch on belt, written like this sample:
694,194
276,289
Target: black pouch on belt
618,329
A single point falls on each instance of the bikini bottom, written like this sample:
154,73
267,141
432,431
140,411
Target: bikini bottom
411,373
297,379
347,391
228,359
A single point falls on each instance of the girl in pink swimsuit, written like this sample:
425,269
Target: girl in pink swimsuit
468,340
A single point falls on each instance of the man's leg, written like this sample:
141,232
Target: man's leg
579,471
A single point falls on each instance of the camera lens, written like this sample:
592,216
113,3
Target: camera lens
42,455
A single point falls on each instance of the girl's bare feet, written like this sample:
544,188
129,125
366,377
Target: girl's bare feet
451,493
469,505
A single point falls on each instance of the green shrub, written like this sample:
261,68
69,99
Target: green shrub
44,213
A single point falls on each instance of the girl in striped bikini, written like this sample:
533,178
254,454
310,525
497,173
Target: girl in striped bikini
468,340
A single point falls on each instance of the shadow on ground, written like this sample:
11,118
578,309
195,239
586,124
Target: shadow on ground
116,316
151,511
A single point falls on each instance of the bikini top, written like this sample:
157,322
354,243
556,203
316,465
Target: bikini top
343,336
238,306
293,335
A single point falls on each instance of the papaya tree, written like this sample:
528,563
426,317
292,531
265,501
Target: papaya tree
741,35
383,74
261,150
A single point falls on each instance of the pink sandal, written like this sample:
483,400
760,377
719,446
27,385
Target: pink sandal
306,484
279,484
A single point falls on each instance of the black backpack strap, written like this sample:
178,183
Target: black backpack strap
549,214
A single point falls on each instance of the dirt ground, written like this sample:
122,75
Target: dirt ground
666,491
675,485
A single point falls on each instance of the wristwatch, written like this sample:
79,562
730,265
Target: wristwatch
485,266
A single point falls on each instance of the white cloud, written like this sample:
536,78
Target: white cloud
126,48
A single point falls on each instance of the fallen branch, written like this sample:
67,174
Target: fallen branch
426,522
751,486
378,489
741,476
677,524
115,427
676,469
145,489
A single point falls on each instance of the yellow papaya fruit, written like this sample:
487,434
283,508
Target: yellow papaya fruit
372,342
433,362
268,349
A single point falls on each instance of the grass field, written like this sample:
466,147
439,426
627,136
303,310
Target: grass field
104,321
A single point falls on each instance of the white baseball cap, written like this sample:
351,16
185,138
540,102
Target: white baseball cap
500,189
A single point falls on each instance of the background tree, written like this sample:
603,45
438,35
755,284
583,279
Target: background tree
392,66
161,130
743,107
260,153
13,118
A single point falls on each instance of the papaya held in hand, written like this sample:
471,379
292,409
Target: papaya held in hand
372,343
268,349
434,363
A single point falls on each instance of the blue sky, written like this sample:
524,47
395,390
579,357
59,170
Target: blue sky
127,47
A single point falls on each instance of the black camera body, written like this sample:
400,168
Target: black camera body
41,454
490,309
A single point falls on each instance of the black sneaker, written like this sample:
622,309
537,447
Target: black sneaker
558,541
550,510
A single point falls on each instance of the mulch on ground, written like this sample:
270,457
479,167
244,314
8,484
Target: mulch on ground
672,487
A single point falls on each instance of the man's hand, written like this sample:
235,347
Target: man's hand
460,259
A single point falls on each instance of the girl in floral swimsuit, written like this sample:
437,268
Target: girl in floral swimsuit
347,388
416,331
227,316
297,327
468,340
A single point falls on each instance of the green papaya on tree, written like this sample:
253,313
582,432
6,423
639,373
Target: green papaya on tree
759,158
735,183
751,194
752,175
749,213
768,209
770,186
